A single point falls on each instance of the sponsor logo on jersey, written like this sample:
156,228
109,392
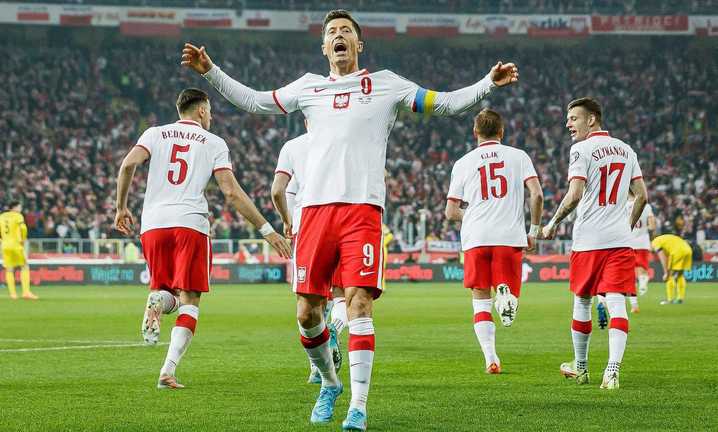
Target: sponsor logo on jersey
341,100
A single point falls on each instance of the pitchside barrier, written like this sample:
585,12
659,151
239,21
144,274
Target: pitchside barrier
137,274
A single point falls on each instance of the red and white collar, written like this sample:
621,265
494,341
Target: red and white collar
334,77
490,142
597,133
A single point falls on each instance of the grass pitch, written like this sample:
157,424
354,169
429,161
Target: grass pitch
69,362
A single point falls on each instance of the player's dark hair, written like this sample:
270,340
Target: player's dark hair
340,13
488,124
189,98
589,104
13,204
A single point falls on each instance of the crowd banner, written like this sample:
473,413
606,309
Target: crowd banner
137,274
163,21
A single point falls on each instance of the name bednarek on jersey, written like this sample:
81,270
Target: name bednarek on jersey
183,157
491,180
349,120
608,165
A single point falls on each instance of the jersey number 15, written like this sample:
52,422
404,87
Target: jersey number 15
493,175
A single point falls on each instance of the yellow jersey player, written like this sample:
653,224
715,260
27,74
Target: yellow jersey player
676,257
13,232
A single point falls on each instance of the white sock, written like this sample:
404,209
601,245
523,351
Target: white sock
633,300
485,330
617,328
170,302
601,299
339,314
181,337
316,343
643,282
581,328
361,360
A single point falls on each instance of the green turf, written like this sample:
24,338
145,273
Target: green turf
246,370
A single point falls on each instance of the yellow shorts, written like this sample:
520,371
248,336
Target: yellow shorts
682,262
14,257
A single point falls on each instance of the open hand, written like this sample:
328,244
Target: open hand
196,59
504,74
280,244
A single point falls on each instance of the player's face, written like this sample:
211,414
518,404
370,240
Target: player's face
205,112
578,123
341,43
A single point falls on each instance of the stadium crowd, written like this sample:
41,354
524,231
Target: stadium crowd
68,115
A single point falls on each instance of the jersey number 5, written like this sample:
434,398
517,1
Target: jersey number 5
606,172
497,192
175,158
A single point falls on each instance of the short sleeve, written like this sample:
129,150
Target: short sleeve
456,186
284,161
293,186
287,97
527,168
221,159
577,164
656,244
148,139
636,173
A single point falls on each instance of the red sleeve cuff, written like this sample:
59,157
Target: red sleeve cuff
455,199
283,172
636,178
221,169
529,178
577,177
276,101
144,148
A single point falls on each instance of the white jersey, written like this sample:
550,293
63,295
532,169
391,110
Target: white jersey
291,162
350,118
491,179
640,238
608,165
183,157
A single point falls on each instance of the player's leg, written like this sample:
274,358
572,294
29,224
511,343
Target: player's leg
315,258
339,311
158,247
617,281
506,279
670,288
25,281
633,298
617,336
642,258
485,328
680,286
159,302
362,263
10,277
181,336
477,278
361,354
602,311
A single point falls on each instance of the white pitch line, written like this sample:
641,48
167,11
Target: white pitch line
83,341
74,347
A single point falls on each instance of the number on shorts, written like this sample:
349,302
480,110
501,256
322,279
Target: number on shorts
368,250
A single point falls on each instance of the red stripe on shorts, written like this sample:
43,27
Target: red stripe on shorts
581,326
316,340
619,324
482,316
186,321
361,342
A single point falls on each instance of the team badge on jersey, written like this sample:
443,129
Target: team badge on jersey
341,100
301,274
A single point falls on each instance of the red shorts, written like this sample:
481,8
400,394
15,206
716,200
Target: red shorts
601,271
337,278
489,266
345,237
178,258
642,258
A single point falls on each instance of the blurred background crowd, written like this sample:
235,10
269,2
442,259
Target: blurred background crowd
70,112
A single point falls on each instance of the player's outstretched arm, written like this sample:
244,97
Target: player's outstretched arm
239,199
575,191
123,217
279,198
237,93
536,208
638,188
459,101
